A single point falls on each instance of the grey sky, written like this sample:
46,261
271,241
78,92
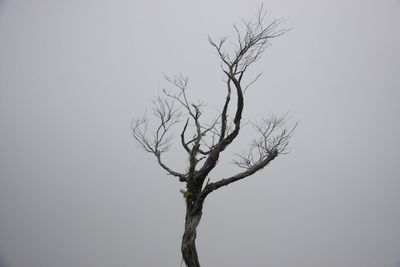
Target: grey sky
76,191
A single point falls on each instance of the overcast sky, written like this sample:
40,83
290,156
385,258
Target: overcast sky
75,190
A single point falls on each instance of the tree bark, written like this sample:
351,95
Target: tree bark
192,220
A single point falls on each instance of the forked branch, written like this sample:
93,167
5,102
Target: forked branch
274,135
167,116
273,141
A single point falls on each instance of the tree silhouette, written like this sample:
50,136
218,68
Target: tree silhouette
205,142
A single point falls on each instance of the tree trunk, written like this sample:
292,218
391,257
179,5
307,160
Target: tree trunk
193,216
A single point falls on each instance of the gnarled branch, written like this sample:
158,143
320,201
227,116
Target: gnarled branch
210,187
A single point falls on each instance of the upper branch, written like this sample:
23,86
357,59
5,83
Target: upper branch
248,48
249,45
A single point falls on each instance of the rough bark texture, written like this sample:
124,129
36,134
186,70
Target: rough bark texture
188,248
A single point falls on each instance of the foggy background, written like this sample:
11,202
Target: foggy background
75,190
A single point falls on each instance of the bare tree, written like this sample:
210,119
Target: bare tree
204,142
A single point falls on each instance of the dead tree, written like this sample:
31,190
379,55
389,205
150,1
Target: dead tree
205,142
